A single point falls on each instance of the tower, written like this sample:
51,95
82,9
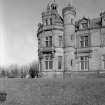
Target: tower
50,36
69,14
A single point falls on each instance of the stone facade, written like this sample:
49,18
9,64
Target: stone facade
65,43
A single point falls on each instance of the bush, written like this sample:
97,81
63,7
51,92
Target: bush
34,71
3,73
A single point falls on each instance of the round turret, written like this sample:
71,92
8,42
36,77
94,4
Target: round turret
69,13
69,8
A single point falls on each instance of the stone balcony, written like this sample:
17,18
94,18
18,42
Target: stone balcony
83,50
46,50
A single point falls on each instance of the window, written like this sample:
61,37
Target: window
60,41
40,65
46,22
51,21
39,41
49,41
71,62
72,37
72,20
84,41
84,62
103,39
104,60
54,7
103,22
84,25
48,62
59,62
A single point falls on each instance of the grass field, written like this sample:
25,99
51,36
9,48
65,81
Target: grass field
54,92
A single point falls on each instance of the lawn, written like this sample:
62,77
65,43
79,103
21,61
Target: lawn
54,91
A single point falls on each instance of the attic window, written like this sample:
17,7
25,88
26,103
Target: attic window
54,7
84,25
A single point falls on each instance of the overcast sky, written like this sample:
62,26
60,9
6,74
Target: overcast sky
18,26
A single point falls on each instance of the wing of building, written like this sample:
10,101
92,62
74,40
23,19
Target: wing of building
67,44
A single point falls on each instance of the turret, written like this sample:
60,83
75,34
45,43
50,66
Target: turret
47,16
50,36
69,14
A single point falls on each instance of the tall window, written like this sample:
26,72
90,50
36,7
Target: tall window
84,62
40,65
103,39
104,60
60,41
84,25
84,41
46,21
48,62
59,62
71,62
72,20
49,41
51,21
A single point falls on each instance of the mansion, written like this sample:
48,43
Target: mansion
65,43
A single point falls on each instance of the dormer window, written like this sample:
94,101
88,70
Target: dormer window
84,25
54,7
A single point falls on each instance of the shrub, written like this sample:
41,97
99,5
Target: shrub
34,71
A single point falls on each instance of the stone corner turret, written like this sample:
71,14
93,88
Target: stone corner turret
69,8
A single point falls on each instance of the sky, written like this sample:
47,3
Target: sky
18,26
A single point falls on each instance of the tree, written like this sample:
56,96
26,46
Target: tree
3,73
33,71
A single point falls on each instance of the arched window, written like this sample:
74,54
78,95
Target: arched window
51,21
